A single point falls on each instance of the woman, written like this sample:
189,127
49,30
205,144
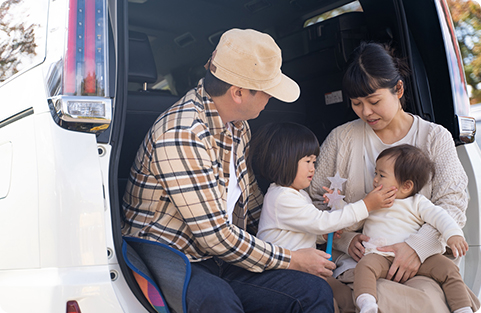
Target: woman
375,83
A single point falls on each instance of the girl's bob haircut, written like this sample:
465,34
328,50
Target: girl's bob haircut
277,148
373,66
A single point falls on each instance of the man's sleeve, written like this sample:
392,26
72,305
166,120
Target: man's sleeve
186,166
254,206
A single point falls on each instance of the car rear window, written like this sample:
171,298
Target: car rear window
354,6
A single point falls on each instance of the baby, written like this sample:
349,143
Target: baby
409,169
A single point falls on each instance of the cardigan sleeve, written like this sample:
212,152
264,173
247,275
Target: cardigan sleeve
325,167
448,191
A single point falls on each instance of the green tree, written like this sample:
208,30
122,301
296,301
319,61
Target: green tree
16,40
466,15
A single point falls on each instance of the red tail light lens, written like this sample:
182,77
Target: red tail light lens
73,307
70,58
84,63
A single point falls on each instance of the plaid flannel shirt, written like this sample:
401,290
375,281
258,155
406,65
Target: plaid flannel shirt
177,188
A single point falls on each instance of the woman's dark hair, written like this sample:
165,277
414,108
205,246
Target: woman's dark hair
410,163
373,66
276,149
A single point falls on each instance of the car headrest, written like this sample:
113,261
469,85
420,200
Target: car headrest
141,60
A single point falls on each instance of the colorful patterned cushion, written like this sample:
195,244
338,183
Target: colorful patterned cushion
152,293
161,272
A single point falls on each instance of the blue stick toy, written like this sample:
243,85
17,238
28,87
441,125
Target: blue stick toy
330,237
335,199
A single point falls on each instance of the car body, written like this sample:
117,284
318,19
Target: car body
75,111
475,111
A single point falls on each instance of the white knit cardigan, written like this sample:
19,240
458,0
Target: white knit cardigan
342,152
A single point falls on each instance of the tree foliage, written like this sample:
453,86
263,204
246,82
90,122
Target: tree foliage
466,15
17,39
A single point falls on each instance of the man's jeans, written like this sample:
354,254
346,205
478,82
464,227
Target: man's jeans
218,287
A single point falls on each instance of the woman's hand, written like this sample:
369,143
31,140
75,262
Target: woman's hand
312,261
406,262
356,249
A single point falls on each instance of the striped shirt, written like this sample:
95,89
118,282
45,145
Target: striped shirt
177,188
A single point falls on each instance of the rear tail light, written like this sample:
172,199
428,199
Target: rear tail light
467,129
81,103
88,114
84,62
73,307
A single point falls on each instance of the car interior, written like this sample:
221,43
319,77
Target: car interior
166,58
170,41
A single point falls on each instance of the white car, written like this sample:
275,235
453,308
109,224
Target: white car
81,81
475,111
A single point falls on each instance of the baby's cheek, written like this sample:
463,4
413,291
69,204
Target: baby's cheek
387,187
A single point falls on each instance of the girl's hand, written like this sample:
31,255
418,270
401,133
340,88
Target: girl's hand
326,199
380,198
337,235
458,245
356,249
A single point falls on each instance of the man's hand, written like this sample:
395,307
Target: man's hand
406,262
356,249
312,261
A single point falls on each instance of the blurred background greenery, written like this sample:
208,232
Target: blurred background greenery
466,16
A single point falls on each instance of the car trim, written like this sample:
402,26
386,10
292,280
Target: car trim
16,117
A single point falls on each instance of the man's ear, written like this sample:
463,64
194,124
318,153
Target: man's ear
236,94
407,187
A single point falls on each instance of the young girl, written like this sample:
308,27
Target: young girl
285,154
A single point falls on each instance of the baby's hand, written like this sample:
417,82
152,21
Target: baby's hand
458,245
337,235
379,198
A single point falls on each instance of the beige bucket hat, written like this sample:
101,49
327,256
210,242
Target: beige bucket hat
250,59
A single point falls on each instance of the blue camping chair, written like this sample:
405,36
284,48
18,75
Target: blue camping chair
171,268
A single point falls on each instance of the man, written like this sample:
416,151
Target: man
190,188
